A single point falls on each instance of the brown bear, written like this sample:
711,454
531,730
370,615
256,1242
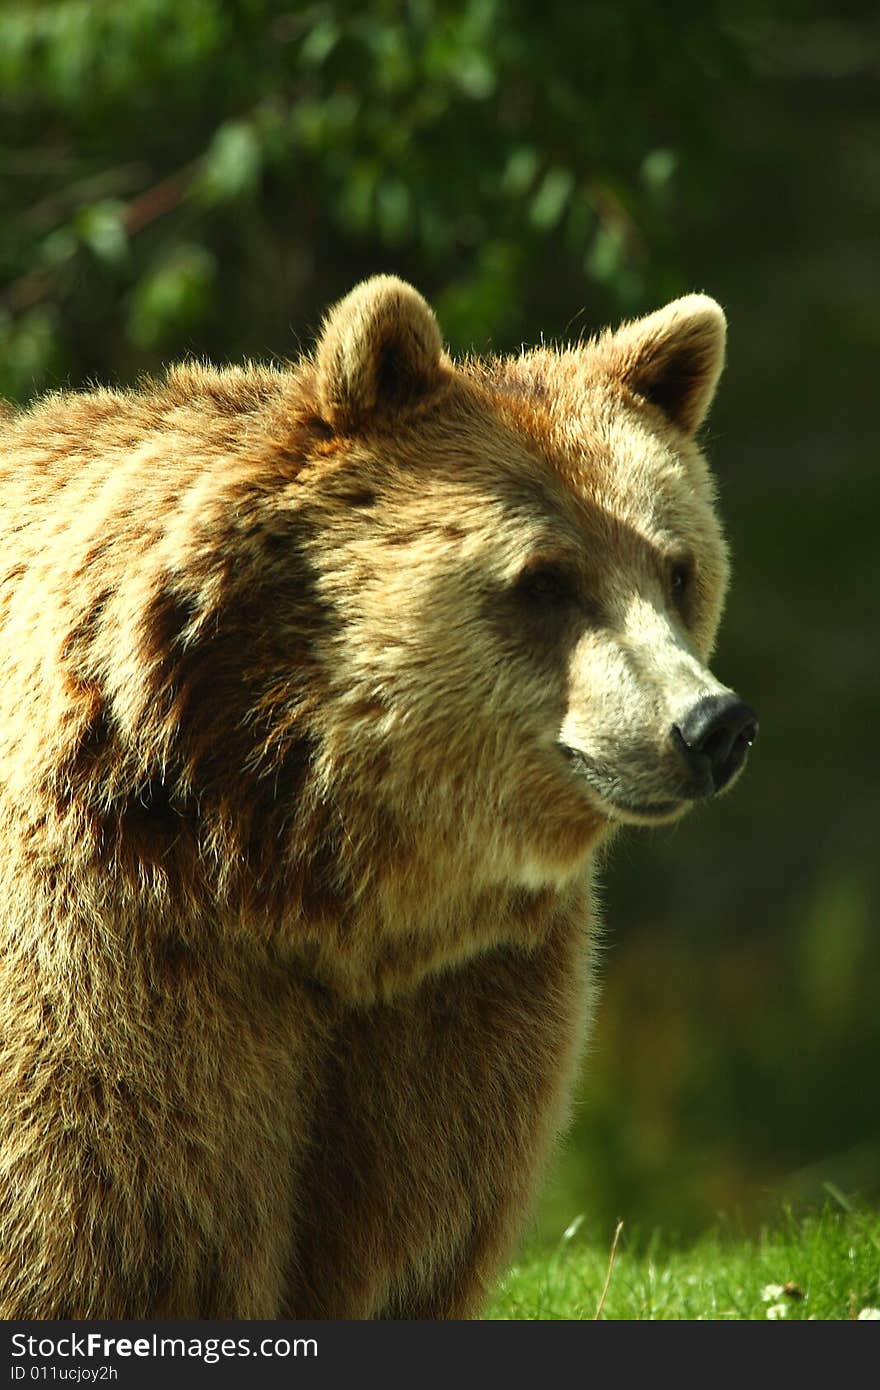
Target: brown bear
319,689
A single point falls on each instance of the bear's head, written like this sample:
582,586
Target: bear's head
523,572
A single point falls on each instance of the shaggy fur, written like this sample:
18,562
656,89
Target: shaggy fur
295,928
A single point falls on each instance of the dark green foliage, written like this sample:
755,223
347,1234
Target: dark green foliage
183,172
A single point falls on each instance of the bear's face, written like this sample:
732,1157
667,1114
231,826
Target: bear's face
527,576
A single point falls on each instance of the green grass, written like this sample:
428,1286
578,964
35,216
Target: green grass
824,1266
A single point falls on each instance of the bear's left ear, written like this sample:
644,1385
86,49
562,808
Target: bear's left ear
380,350
673,357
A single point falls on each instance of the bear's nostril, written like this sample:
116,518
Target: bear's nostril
713,739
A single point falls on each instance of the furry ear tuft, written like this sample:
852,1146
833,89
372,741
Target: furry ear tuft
673,357
380,348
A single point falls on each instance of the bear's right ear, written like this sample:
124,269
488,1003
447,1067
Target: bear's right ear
672,358
380,350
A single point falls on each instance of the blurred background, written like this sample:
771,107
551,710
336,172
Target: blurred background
206,176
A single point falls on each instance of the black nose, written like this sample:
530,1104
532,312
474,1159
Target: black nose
713,740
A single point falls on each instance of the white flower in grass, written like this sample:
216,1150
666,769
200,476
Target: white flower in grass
777,1310
771,1292
869,1314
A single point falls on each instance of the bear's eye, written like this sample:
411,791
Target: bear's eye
680,580
547,584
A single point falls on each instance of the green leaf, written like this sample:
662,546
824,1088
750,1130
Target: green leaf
28,350
520,170
357,197
58,246
551,199
101,228
605,257
393,209
657,169
474,75
231,165
319,43
173,296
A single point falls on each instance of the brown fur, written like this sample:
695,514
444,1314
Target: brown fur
295,930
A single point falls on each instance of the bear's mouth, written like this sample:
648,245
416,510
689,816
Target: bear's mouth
614,803
652,813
